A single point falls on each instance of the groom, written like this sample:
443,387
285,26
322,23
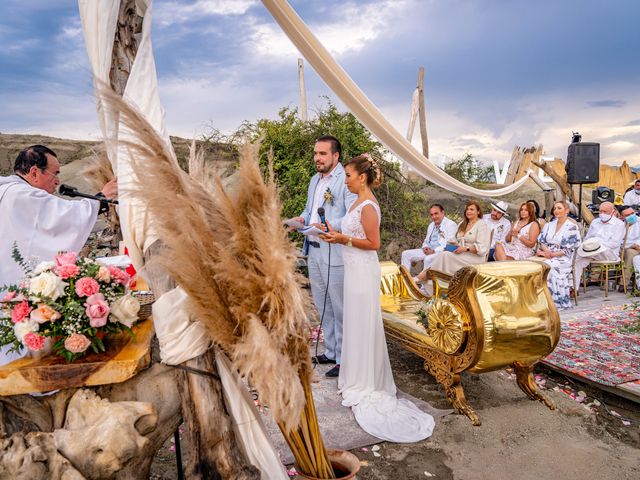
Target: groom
326,270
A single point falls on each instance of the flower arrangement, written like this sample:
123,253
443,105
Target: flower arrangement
423,313
328,196
74,301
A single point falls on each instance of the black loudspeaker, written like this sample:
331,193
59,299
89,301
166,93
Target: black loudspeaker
583,163
602,194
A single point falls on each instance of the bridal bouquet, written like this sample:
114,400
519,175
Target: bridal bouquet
71,302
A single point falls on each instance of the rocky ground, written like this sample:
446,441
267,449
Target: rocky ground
597,437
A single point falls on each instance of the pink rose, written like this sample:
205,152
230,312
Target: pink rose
69,258
67,270
119,276
103,274
33,341
85,287
77,343
9,296
97,310
20,311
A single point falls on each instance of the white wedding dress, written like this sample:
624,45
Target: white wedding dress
365,381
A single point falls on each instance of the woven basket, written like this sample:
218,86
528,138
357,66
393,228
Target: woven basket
145,299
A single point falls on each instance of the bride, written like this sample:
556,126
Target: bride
365,380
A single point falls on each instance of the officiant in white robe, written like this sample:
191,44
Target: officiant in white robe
38,222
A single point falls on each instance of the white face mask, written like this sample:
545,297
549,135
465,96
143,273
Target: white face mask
637,191
605,217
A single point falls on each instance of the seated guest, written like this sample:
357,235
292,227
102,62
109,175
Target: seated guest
540,217
632,197
632,244
521,239
557,243
610,233
439,231
471,244
636,269
38,222
498,224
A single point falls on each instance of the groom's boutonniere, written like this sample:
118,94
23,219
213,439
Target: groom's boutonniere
328,196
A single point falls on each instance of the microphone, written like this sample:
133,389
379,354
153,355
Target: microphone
323,220
69,191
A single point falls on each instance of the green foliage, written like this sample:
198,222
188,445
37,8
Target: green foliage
290,141
468,170
19,259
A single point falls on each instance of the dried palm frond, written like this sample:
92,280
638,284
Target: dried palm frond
97,173
231,254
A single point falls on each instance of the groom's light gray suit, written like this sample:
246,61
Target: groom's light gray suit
320,256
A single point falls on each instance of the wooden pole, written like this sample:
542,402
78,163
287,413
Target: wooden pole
561,181
414,115
422,114
213,451
303,93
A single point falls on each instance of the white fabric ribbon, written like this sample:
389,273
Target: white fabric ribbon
183,338
356,101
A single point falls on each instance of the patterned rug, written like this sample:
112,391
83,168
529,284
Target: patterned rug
595,346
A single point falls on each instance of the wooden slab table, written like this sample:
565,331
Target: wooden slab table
124,358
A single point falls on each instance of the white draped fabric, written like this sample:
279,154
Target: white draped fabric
342,85
180,337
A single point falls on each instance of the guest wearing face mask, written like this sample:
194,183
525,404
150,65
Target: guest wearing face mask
632,245
632,197
609,232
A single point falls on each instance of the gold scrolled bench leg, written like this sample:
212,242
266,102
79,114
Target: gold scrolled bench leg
437,367
526,382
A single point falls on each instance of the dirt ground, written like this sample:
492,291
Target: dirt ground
519,439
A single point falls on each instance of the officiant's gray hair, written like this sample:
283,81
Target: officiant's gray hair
33,155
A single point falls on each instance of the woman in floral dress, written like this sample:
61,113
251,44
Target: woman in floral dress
558,242
522,238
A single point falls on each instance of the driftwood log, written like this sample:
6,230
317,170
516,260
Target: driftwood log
214,452
107,432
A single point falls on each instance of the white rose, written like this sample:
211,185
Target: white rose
47,284
43,267
24,327
125,310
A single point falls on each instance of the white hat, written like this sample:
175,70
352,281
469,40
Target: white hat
501,207
590,247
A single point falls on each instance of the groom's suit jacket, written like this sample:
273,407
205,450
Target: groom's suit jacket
334,210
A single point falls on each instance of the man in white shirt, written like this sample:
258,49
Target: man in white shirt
632,243
440,230
38,222
498,223
632,197
609,231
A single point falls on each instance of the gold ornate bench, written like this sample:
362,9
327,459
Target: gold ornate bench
495,315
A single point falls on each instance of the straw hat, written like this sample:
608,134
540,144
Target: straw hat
501,207
590,248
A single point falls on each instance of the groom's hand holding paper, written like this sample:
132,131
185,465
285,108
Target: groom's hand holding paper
311,230
294,224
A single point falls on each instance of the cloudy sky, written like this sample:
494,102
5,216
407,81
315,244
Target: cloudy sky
498,73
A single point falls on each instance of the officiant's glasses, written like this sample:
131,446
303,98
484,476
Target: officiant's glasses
56,175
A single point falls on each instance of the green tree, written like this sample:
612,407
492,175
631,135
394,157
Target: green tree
468,170
290,141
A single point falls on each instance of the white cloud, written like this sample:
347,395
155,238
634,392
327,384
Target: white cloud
357,26
169,13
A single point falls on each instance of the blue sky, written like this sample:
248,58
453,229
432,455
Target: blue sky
498,73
